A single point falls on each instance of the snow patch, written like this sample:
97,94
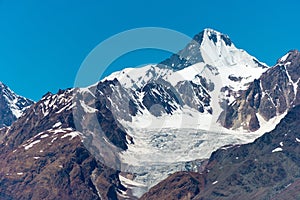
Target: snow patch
31,144
71,134
281,144
44,136
56,125
128,183
267,126
278,149
214,182
86,108
283,58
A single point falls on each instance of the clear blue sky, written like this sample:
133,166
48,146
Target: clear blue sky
43,43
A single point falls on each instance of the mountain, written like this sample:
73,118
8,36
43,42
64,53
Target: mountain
201,79
173,111
12,105
268,168
126,133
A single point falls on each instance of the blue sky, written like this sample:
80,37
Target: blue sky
43,43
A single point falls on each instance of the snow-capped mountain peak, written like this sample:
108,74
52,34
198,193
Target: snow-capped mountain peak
217,37
209,71
12,105
217,49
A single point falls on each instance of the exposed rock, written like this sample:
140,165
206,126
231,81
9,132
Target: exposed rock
271,95
181,185
46,153
53,165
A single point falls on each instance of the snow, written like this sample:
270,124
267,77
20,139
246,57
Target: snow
278,149
267,126
158,152
31,144
86,108
14,101
214,182
232,61
283,58
162,145
295,84
55,138
281,144
56,125
44,136
87,90
127,182
184,118
67,107
136,188
71,134
227,147
136,77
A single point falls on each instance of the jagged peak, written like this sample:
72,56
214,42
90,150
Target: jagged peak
213,36
289,57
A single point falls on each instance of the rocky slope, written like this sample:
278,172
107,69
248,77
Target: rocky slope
268,168
45,156
12,105
271,95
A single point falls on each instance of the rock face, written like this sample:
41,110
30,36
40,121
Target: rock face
46,155
268,168
181,185
271,95
55,165
12,106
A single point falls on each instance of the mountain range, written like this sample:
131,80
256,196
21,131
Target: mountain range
168,122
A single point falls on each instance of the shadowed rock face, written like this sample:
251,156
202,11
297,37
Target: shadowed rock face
268,168
272,94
